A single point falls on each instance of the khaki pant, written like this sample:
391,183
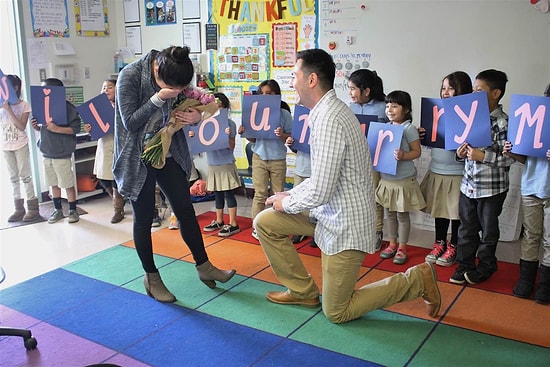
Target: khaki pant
266,175
19,170
536,223
341,301
59,172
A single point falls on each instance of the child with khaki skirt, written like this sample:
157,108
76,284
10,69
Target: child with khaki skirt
441,185
223,179
400,193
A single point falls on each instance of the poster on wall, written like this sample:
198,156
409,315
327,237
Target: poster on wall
133,39
192,36
285,43
131,11
258,39
211,35
160,12
243,58
191,9
49,18
92,18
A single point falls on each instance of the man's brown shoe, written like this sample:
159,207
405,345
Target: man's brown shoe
431,294
284,298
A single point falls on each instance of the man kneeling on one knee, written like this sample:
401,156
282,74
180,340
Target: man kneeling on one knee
340,198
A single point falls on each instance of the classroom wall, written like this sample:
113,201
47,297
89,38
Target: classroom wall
412,44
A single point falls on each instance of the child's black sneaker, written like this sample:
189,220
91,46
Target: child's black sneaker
228,230
458,276
214,226
475,277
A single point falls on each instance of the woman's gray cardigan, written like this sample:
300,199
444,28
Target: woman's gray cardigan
133,111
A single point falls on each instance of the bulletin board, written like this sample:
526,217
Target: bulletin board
258,40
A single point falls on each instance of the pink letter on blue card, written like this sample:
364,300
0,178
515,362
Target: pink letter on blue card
209,134
300,129
261,116
49,105
467,120
100,114
383,140
7,92
365,120
433,121
529,125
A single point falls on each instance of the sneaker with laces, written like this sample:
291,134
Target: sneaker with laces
173,222
458,276
73,216
56,216
228,230
156,221
439,249
449,256
213,226
475,277
379,238
255,235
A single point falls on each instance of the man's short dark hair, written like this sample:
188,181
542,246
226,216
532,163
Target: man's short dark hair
321,63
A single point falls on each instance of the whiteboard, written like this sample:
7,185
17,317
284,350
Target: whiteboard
413,44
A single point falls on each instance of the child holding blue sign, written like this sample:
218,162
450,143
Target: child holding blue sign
441,185
483,189
15,148
223,178
57,144
535,200
269,158
366,90
400,193
103,163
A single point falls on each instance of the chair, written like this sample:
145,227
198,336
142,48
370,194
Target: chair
247,172
28,340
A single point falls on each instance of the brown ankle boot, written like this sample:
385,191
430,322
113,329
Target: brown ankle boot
156,289
19,211
208,274
118,205
32,210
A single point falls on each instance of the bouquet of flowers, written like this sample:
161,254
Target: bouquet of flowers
157,148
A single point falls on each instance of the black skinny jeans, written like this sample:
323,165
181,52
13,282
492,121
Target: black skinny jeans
173,182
